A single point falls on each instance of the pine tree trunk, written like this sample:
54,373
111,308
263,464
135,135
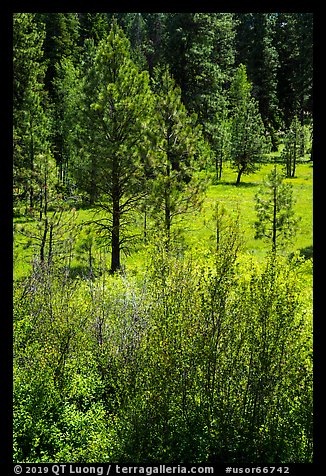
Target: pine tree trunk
274,219
93,184
295,152
115,236
115,256
50,254
239,176
167,206
220,169
145,224
43,241
167,220
288,164
294,167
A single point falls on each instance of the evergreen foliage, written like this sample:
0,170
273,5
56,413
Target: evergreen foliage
179,152
31,111
257,50
274,206
248,137
294,37
115,110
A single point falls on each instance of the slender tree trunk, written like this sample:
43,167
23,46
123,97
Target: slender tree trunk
50,254
217,228
43,241
31,151
41,205
240,171
274,220
289,164
293,167
90,260
295,151
46,225
220,168
115,256
115,236
93,190
145,223
167,205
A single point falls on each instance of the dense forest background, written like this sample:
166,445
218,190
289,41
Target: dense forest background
123,124
59,81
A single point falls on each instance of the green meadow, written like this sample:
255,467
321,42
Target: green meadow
197,229
241,199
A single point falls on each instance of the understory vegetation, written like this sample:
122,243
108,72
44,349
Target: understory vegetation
197,361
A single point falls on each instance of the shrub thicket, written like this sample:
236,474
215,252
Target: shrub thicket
199,361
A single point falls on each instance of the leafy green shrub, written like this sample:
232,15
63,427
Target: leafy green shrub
205,359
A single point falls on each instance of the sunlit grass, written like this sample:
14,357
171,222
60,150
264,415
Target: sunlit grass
198,228
240,200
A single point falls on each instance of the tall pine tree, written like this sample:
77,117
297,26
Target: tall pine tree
276,221
115,115
248,137
179,147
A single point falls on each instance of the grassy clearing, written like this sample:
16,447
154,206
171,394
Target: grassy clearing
198,228
241,199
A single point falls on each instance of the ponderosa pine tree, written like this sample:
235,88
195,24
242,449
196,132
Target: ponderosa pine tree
275,214
179,150
115,115
248,137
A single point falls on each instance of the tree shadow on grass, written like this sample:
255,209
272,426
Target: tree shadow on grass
239,185
306,252
84,272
